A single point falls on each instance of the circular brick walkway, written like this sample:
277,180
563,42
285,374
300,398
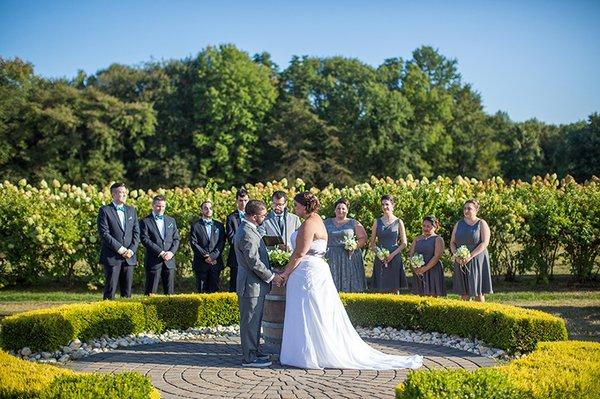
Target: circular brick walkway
212,369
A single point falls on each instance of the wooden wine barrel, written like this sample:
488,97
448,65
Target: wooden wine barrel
273,315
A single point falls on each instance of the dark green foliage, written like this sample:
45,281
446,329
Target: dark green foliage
227,116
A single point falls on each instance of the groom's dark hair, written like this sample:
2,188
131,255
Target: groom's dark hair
253,207
277,195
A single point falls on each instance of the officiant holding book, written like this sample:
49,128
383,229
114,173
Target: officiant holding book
280,223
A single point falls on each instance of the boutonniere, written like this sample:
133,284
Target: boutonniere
130,217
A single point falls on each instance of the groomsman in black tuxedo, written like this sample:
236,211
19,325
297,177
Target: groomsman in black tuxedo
119,236
232,223
207,238
160,236
280,222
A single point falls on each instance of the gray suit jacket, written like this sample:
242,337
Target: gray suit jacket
271,228
253,262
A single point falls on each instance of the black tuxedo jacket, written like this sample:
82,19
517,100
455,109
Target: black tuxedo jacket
155,244
232,224
113,236
202,244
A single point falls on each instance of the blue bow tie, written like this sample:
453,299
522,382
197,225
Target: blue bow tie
158,217
121,208
242,214
207,222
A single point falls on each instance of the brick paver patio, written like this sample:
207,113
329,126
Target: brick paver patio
211,369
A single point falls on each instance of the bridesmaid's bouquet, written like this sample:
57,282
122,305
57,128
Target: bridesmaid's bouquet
462,253
382,254
350,243
413,262
279,258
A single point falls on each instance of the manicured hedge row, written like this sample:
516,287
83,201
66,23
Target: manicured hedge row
501,326
22,379
49,329
555,370
189,310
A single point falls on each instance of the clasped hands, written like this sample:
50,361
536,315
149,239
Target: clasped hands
167,255
127,253
280,279
210,260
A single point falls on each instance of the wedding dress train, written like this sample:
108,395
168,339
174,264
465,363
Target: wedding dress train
317,332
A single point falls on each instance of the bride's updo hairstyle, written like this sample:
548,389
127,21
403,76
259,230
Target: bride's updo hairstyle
308,200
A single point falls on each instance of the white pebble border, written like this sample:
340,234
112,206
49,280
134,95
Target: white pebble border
78,350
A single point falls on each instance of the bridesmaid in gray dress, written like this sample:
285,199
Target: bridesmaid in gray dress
347,267
389,233
429,278
472,278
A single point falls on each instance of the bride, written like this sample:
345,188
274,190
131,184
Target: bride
317,332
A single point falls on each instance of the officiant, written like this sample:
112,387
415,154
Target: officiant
280,222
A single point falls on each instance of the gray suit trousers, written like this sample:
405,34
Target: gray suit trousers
251,313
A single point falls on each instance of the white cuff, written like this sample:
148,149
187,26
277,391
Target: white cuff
122,250
271,278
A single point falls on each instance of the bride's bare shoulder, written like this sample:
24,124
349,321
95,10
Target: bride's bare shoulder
318,227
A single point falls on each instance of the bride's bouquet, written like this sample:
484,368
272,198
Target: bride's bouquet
278,258
382,254
350,243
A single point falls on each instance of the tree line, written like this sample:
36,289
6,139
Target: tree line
229,117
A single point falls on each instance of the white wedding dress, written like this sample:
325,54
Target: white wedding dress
317,332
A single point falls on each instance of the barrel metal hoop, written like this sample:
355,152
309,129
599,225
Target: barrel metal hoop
273,297
269,324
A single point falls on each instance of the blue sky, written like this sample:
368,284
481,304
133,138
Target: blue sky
529,58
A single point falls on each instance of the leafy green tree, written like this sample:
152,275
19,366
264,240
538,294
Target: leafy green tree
522,156
474,143
231,98
584,149
432,112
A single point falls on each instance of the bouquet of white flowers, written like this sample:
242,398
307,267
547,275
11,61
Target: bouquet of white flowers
350,243
462,253
413,262
278,258
382,254
416,261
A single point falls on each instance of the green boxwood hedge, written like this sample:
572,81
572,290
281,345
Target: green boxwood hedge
555,370
501,326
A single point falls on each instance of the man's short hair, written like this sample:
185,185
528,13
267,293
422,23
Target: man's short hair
204,203
253,207
116,185
242,192
279,195
158,198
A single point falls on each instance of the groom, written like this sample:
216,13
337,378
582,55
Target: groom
254,276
